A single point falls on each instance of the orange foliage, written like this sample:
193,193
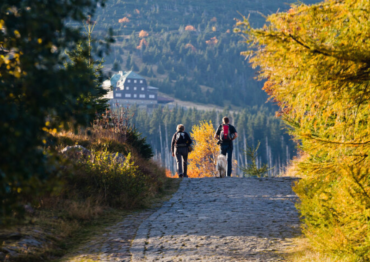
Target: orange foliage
204,156
190,28
143,34
228,31
124,20
169,174
212,41
142,42
214,19
214,29
137,11
191,46
193,173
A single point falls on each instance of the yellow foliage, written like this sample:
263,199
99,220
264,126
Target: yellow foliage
143,33
202,160
190,28
142,42
124,20
316,62
191,47
212,41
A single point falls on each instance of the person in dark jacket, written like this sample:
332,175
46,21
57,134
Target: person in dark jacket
179,147
226,144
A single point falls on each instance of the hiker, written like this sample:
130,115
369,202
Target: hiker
180,148
226,133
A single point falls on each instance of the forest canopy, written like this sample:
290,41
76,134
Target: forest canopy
191,53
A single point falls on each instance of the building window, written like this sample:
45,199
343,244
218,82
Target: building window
141,81
135,88
118,95
135,95
152,96
127,95
142,96
135,81
128,88
143,88
128,81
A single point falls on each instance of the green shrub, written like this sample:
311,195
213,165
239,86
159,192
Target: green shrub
114,184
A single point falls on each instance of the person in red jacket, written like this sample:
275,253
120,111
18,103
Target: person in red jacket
179,147
226,133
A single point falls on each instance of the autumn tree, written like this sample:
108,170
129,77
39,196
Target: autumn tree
316,61
202,160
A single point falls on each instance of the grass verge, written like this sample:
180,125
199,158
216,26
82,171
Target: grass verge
60,235
303,252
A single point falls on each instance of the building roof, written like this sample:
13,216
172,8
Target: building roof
115,78
122,75
133,75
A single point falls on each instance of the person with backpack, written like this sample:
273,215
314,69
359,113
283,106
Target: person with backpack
180,149
226,133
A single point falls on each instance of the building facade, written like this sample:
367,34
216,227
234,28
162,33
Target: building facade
131,88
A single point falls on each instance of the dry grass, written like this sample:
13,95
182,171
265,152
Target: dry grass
292,169
80,207
73,208
69,223
84,210
303,252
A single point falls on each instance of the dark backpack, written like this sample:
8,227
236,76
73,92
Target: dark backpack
180,139
225,135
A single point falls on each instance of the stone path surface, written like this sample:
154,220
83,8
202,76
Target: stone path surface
213,219
114,245
210,219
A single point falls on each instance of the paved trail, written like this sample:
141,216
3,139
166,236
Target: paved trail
212,219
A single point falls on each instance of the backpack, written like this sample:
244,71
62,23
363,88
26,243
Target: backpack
180,139
225,135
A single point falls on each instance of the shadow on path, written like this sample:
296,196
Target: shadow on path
228,219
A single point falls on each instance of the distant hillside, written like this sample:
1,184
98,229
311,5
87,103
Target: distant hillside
187,48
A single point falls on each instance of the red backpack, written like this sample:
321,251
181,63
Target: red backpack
225,133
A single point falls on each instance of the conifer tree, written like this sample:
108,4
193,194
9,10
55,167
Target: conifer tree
252,169
316,62
160,69
128,63
38,93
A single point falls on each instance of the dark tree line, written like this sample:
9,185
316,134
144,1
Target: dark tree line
254,125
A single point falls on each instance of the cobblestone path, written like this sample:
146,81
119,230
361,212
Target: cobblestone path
213,219
210,219
114,244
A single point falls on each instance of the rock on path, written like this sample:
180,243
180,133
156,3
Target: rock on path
214,219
